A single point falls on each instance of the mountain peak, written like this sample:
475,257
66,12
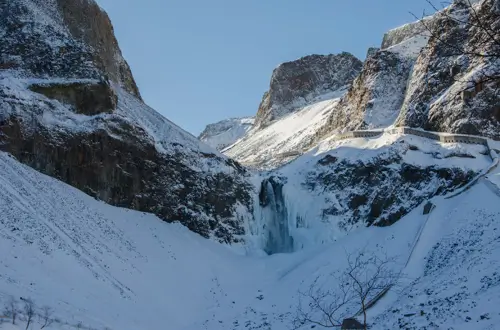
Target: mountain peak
222,134
296,82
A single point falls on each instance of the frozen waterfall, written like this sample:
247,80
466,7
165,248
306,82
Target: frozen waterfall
275,217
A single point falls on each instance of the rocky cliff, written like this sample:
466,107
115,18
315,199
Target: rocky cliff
69,108
295,84
445,91
376,95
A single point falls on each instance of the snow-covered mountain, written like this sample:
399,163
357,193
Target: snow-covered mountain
75,238
294,84
409,81
276,143
448,91
99,266
69,108
226,132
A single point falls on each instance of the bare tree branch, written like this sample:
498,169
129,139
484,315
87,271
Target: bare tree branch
11,309
365,276
45,317
29,311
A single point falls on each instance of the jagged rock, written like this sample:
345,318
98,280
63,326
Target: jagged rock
428,208
62,38
376,95
86,21
295,83
444,93
381,191
372,51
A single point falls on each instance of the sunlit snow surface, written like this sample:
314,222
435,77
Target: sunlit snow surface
106,266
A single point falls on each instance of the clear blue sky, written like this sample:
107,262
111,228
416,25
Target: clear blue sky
200,61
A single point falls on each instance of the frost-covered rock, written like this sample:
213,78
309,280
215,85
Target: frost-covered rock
226,132
69,108
376,95
445,91
344,184
294,84
61,38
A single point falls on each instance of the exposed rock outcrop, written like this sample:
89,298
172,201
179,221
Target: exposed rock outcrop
380,190
86,21
376,95
84,97
62,38
295,84
445,93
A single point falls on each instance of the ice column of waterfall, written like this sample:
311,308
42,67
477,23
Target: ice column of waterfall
275,217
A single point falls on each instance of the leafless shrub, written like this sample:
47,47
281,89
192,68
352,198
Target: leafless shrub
366,279
46,316
11,309
29,311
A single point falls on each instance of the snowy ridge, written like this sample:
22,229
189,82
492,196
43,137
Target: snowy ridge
286,135
226,132
165,133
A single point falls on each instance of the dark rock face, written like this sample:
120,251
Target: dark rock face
444,93
294,83
383,190
69,110
41,48
86,98
86,21
124,169
428,208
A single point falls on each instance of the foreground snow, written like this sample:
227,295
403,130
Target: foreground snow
106,266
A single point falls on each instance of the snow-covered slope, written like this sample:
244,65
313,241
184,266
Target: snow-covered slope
372,100
269,146
102,266
226,132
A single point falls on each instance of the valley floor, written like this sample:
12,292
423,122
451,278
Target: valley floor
109,267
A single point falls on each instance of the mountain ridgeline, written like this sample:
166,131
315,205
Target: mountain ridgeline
412,79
